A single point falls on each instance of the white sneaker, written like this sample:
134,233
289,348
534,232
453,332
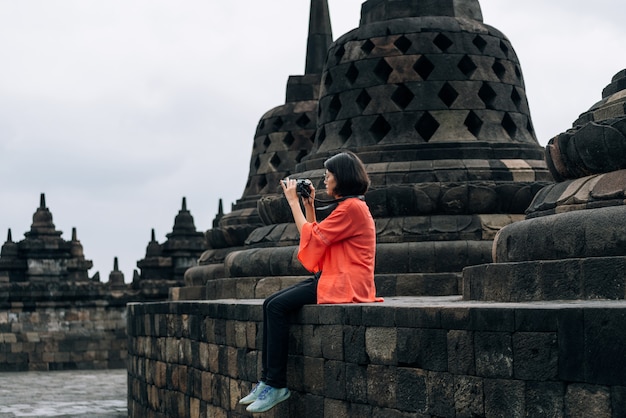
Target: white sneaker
268,399
254,393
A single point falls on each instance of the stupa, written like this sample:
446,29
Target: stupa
433,101
573,243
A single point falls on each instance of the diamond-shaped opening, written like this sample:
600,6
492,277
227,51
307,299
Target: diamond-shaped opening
288,140
473,123
424,67
261,125
504,48
363,99
380,128
301,155
448,94
328,80
499,69
367,47
262,183
383,70
275,160
321,135
346,131
427,126
334,107
402,96
257,163
339,53
509,125
487,95
467,66
518,73
516,98
480,43
352,74
267,142
278,123
403,44
303,121
442,42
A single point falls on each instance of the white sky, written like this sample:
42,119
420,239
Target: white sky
118,109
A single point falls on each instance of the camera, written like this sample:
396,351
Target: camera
303,187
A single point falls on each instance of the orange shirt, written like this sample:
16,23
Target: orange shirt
343,248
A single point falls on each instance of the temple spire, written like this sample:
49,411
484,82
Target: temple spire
42,201
184,204
9,236
320,37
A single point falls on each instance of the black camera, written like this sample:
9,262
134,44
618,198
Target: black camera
303,187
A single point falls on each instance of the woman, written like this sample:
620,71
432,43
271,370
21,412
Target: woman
339,251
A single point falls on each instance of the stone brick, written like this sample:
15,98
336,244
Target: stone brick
354,345
461,352
544,399
605,346
422,348
494,354
381,386
332,336
535,356
381,345
314,381
587,401
571,345
356,383
335,379
412,394
504,398
440,387
468,397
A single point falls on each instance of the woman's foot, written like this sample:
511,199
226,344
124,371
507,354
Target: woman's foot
268,398
254,393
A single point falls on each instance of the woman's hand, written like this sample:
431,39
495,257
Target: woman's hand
289,188
291,194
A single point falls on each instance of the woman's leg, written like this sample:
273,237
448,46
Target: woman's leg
276,309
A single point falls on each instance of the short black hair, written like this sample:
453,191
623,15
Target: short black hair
350,174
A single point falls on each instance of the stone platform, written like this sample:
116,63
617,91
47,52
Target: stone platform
407,356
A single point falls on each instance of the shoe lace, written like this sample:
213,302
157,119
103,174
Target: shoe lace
265,392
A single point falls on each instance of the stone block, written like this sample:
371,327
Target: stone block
571,345
461,352
494,354
536,356
440,394
504,398
335,379
381,345
381,386
332,337
354,345
356,383
314,381
544,399
584,400
422,348
412,392
605,346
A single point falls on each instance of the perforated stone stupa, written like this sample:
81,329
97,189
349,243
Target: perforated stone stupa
433,101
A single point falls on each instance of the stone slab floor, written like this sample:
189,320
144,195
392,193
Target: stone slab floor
84,393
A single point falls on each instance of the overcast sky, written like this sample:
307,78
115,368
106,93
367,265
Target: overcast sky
117,109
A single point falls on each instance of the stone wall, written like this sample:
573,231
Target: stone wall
62,336
405,357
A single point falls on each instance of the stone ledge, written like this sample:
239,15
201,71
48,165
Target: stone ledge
436,356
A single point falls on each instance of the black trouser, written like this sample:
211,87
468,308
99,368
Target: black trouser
276,310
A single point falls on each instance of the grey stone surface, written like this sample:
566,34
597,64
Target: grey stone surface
93,394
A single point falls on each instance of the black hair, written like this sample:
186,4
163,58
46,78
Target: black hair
349,173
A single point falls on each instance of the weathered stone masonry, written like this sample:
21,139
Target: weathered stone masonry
63,335
406,357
